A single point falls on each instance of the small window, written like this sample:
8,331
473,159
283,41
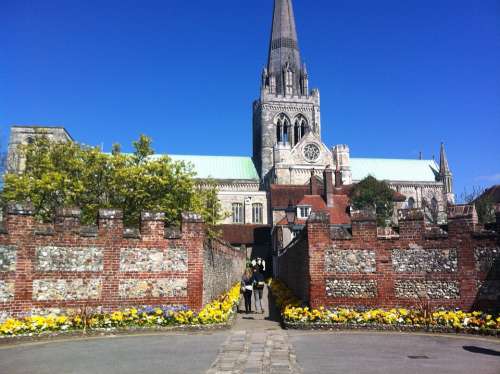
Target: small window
411,203
303,211
238,213
257,213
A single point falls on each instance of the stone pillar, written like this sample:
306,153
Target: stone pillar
110,223
67,219
193,238
411,224
318,239
364,224
461,219
153,224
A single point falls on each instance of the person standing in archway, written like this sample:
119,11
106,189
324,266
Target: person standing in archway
258,288
247,288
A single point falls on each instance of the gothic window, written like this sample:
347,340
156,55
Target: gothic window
257,213
299,127
238,215
282,128
411,203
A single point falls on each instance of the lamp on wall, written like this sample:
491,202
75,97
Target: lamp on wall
291,212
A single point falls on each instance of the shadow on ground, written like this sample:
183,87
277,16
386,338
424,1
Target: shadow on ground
483,351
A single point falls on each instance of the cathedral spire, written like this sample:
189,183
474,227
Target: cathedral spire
445,175
284,56
444,168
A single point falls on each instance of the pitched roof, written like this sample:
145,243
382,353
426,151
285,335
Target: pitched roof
394,169
221,167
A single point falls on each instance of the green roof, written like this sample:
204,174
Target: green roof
394,169
221,167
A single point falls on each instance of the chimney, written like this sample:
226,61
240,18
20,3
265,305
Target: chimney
338,176
313,184
328,182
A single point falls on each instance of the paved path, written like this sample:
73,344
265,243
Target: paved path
257,345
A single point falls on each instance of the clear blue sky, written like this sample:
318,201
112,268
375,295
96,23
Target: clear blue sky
396,77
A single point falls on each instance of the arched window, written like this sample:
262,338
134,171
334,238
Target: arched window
411,203
299,128
282,128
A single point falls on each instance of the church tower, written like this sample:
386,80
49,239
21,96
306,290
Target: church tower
287,112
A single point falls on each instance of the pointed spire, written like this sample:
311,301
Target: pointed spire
284,47
444,168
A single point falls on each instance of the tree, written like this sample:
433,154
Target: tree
71,174
485,206
375,194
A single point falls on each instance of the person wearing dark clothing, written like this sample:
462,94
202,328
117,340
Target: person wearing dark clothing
247,289
258,288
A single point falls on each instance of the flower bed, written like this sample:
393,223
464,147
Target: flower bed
217,312
296,315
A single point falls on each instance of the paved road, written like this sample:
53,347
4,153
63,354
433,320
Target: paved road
171,353
257,345
388,353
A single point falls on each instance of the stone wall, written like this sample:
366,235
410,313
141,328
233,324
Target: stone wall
221,271
453,266
66,266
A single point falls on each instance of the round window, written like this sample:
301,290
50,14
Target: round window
311,152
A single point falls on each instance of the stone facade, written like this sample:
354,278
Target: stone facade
220,271
352,289
6,291
61,267
7,258
69,259
67,289
418,260
156,288
487,259
350,261
248,199
414,289
153,260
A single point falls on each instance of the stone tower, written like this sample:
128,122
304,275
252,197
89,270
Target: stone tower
287,111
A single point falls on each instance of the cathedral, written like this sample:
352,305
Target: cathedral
291,167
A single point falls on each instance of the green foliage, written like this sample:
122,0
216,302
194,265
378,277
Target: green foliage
71,174
375,194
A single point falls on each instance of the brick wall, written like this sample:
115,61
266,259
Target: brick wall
366,266
68,266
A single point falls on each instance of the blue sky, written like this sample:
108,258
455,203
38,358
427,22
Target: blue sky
396,77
